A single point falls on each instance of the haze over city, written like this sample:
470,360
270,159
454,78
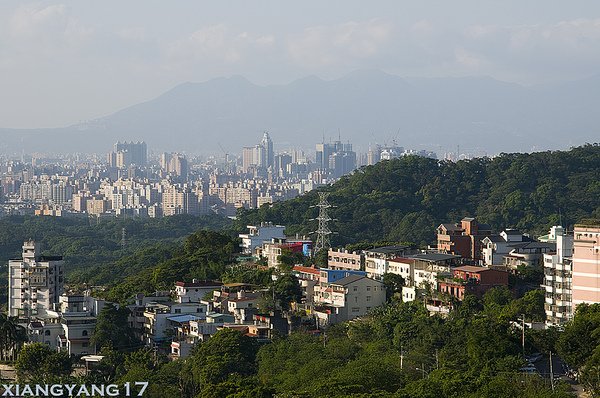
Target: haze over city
68,63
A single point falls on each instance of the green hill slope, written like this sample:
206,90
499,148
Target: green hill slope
405,199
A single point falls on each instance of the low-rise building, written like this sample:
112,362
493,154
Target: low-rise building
463,239
343,259
473,280
376,260
258,235
348,298
194,292
495,247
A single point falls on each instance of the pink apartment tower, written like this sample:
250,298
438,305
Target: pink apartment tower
586,263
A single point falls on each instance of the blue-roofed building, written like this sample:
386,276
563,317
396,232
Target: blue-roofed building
331,275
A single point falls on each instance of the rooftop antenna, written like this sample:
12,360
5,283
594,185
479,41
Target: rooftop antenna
323,231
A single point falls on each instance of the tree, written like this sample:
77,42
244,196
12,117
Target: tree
288,258
393,284
12,337
287,290
37,361
112,329
227,353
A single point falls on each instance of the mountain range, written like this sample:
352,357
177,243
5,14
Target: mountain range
365,107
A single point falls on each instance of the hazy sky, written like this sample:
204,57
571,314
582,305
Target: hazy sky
68,61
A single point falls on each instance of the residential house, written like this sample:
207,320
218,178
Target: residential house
376,260
495,247
473,280
348,298
195,291
463,239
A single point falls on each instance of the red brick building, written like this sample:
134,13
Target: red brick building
463,239
474,280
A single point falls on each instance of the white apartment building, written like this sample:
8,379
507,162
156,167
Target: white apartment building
495,247
558,278
257,235
348,298
194,292
34,282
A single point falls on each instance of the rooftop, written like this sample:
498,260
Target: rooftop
199,284
471,268
348,280
435,257
588,223
388,249
183,318
308,270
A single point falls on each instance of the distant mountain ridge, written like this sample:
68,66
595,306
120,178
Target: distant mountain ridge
366,106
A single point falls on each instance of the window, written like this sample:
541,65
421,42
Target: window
47,333
84,333
368,288
178,310
368,298
355,309
355,288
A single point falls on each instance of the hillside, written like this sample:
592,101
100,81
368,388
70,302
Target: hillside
405,199
365,106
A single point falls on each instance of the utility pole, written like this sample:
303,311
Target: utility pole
401,357
523,335
551,373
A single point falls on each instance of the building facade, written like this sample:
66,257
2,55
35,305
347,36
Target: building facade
558,279
35,282
586,264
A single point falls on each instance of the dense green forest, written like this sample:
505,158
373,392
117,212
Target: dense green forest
92,248
405,199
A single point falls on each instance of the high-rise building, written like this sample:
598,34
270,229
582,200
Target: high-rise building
128,153
586,263
267,144
558,278
323,151
175,164
35,282
247,158
337,158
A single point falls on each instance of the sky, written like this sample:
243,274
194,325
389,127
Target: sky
64,62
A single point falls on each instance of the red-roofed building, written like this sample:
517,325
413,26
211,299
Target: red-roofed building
308,278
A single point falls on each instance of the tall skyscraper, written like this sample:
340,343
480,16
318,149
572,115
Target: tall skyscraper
336,158
259,157
35,282
267,144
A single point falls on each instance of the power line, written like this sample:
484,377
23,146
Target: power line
323,231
